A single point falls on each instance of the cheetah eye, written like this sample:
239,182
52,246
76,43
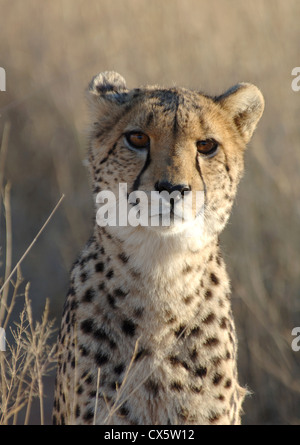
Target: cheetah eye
137,139
208,147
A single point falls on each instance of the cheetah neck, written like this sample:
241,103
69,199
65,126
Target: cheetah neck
164,273
152,254
170,284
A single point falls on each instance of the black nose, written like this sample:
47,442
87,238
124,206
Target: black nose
167,186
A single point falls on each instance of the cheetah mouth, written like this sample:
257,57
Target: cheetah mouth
166,207
149,209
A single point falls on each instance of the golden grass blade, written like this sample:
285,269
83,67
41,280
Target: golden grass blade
32,243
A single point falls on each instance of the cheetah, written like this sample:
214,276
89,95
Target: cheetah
147,334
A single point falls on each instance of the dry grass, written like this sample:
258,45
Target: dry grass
28,357
23,366
51,51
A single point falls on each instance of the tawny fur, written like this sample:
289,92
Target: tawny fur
147,334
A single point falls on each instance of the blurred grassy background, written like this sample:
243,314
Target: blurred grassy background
50,51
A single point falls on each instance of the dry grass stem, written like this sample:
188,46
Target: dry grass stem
32,243
29,355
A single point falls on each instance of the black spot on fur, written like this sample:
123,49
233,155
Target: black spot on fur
228,355
213,341
101,286
87,377
115,385
196,332
141,354
79,390
101,358
100,334
152,386
83,277
187,269
174,360
188,299
119,368
99,267
196,389
74,305
124,258
111,300
77,411
209,319
128,327
176,386
208,294
84,351
88,415
88,296
214,418
110,274
193,354
180,331
124,411
120,293
217,378
228,384
200,372
214,278
223,323
87,326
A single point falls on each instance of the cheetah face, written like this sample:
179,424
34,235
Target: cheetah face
171,141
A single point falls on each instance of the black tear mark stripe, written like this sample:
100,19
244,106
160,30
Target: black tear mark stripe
138,178
227,168
202,179
108,154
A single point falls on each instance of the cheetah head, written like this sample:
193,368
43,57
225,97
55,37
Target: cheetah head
155,140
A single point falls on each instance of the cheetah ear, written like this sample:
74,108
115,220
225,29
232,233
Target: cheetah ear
107,86
245,104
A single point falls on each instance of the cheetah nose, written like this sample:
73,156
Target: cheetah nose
167,186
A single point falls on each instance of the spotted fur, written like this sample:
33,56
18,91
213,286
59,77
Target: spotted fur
147,334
